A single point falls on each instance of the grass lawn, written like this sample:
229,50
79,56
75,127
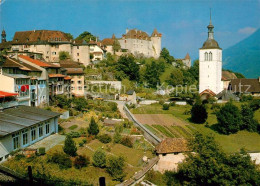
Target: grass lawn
230,143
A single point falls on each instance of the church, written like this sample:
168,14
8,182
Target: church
210,66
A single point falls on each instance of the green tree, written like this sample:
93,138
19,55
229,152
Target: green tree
70,147
209,165
248,121
116,46
194,70
229,119
79,103
69,35
176,77
99,159
117,137
87,36
64,55
152,74
165,54
115,167
93,127
199,113
127,68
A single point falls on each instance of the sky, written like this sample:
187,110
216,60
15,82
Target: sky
183,23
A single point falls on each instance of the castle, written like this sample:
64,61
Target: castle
210,65
137,42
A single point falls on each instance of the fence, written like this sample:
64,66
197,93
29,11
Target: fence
147,133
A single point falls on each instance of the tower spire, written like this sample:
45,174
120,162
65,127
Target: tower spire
210,28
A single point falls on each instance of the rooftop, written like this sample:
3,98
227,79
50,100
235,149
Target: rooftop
7,94
18,118
245,85
36,62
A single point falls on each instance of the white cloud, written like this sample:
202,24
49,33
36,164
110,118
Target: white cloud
247,30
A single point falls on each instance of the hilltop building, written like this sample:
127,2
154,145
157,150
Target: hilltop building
137,42
47,44
210,65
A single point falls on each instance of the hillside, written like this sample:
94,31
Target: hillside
244,57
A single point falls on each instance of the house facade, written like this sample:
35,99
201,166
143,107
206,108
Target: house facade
22,126
47,44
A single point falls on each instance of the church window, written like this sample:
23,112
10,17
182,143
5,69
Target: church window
210,56
206,56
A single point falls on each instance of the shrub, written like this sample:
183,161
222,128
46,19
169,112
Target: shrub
84,141
255,104
99,159
70,147
113,106
248,121
166,106
115,167
81,161
172,104
117,137
245,98
127,124
161,102
93,127
81,144
41,151
126,141
198,113
105,138
18,157
119,128
62,159
229,119
74,134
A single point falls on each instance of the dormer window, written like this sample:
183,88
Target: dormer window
16,40
27,39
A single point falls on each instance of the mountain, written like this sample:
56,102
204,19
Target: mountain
244,57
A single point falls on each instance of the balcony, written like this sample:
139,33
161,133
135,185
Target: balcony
8,104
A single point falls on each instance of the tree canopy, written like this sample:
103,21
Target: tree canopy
165,54
87,36
209,165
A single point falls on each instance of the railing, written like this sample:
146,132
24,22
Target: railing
147,133
8,104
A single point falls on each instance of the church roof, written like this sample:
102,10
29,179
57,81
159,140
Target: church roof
108,41
210,44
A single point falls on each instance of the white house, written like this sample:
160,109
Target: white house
22,126
210,65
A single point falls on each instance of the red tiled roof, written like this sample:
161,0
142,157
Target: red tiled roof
208,91
56,75
36,62
67,78
187,56
7,94
35,36
107,41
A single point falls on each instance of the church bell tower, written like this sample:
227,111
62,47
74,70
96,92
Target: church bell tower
210,64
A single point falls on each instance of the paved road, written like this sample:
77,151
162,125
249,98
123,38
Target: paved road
120,106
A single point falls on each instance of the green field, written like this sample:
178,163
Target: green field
230,143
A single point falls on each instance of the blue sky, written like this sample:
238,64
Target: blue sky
182,23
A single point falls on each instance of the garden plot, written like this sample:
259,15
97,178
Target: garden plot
159,119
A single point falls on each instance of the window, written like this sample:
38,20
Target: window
210,56
79,82
53,53
16,141
79,88
47,128
206,56
72,88
77,47
40,130
33,133
78,60
1,159
25,136
6,156
56,46
77,54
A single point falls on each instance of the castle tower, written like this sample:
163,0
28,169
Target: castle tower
156,43
210,64
3,36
